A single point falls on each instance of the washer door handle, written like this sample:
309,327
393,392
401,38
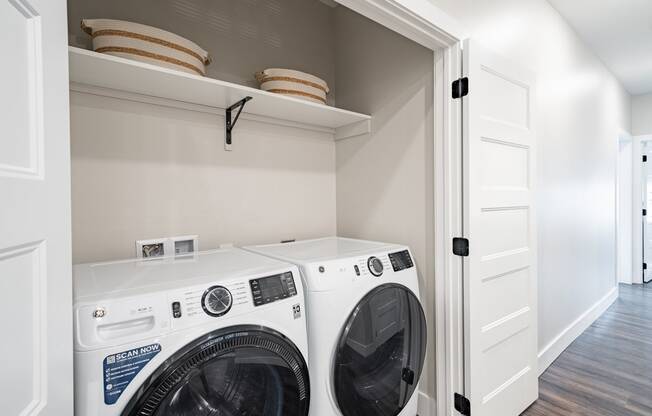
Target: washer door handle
408,375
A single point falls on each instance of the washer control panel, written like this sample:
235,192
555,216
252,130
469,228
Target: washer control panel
272,288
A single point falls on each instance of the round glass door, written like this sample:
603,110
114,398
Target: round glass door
236,371
380,353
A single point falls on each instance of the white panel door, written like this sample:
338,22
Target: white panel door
35,269
647,219
500,285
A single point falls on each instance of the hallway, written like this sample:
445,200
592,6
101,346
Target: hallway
607,371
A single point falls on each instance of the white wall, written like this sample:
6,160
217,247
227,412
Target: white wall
385,179
625,220
642,115
582,108
142,171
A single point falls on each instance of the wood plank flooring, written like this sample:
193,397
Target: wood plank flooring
607,371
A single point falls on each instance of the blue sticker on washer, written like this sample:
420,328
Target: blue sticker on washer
121,368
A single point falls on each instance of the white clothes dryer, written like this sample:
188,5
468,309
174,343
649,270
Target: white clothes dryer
214,333
366,326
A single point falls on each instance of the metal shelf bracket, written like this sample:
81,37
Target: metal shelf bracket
230,121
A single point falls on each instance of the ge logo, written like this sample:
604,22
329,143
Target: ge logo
99,313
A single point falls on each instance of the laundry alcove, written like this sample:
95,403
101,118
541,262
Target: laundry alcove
148,156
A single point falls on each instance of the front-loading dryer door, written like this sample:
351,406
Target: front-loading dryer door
380,353
235,371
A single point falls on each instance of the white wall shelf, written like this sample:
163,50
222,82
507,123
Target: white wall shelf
114,76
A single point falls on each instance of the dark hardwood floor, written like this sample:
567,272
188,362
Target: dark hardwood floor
607,371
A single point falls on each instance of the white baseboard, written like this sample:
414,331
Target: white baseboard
427,405
554,349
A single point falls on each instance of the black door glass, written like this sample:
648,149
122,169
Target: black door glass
236,371
380,353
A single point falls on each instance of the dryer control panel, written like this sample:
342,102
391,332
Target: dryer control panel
393,265
372,266
401,260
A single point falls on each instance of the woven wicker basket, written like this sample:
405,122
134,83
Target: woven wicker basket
293,83
146,44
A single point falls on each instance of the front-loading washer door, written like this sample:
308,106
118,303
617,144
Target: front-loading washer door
380,353
235,371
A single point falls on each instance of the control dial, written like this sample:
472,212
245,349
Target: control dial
216,300
375,266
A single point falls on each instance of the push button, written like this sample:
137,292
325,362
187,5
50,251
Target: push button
176,310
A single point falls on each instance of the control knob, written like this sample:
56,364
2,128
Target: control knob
216,300
375,266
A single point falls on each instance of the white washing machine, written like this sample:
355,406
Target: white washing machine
216,333
366,326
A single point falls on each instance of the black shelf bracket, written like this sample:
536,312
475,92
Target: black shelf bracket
230,121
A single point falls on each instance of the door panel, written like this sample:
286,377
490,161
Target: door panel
500,272
21,85
23,275
504,99
504,165
35,269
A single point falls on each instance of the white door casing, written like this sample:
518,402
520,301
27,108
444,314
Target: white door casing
500,282
35,262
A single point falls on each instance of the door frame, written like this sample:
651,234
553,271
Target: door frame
429,26
637,204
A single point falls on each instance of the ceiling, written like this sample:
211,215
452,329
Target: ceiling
620,32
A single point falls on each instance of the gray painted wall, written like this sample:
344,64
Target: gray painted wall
142,171
242,36
385,180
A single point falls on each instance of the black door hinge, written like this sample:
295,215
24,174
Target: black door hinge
462,405
461,246
460,88
644,212
644,158
644,266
